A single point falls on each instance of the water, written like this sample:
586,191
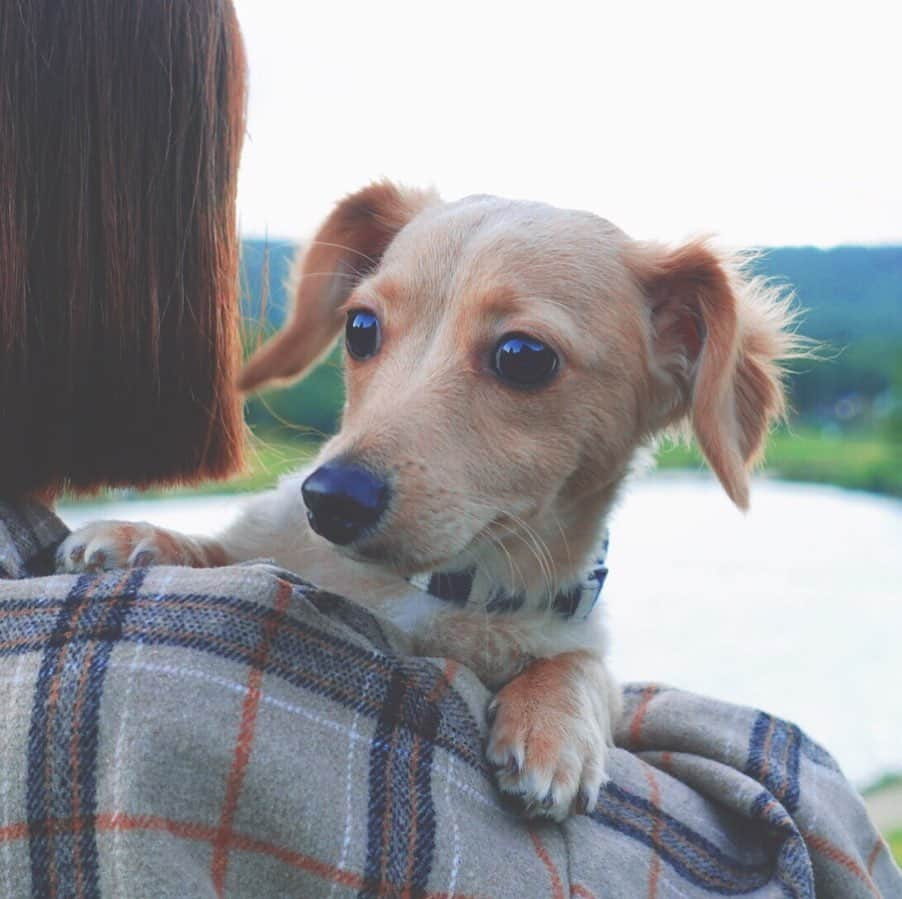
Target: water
795,607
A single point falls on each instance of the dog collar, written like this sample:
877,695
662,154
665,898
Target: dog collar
462,588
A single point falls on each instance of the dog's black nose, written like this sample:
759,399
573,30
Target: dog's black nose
343,500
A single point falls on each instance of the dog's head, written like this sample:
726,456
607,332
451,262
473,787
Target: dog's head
505,360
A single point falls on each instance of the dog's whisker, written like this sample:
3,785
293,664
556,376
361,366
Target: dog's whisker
353,276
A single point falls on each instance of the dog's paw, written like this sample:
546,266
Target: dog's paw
107,545
550,729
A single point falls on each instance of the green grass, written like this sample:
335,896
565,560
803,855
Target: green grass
858,461
885,782
888,781
894,840
269,457
895,845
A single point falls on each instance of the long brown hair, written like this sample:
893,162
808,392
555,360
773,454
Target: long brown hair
121,125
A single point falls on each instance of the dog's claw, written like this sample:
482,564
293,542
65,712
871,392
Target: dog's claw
548,752
77,553
96,561
110,545
143,559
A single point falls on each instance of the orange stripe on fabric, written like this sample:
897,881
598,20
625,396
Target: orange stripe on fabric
325,870
784,762
708,877
581,892
109,822
639,715
47,609
654,869
834,853
765,749
875,853
557,888
13,832
245,741
412,835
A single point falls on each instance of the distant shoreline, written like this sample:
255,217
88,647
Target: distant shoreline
864,462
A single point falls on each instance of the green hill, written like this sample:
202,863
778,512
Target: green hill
851,300
850,293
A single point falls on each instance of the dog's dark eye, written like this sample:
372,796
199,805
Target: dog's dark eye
363,334
523,361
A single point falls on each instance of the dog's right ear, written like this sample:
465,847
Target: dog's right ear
719,338
347,247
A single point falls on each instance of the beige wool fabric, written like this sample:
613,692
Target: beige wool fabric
235,732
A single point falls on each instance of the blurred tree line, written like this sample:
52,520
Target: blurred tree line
850,297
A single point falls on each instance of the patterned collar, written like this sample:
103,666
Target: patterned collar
29,536
466,588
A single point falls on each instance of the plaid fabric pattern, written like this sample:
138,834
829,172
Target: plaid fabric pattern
235,732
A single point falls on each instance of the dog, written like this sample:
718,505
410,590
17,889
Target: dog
507,363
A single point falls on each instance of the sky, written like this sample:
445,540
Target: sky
766,123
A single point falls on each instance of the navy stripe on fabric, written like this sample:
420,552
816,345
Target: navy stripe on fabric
63,735
352,614
692,856
793,869
37,789
401,814
773,758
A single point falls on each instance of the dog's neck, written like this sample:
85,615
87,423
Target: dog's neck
559,567
475,588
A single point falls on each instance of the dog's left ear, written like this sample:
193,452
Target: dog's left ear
347,247
716,344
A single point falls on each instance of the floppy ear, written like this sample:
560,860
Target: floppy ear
347,247
717,340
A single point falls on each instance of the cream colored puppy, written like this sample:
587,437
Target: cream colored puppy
506,361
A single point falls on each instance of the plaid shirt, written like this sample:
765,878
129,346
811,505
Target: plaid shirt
235,732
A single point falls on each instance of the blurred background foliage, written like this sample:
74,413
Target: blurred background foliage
846,424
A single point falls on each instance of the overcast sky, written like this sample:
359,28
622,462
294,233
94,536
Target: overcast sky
768,123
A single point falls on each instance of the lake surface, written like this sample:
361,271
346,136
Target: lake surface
795,607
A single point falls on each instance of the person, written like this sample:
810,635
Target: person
235,731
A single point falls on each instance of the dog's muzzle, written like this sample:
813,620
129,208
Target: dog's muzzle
343,501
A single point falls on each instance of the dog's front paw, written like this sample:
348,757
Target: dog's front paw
106,545
550,732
